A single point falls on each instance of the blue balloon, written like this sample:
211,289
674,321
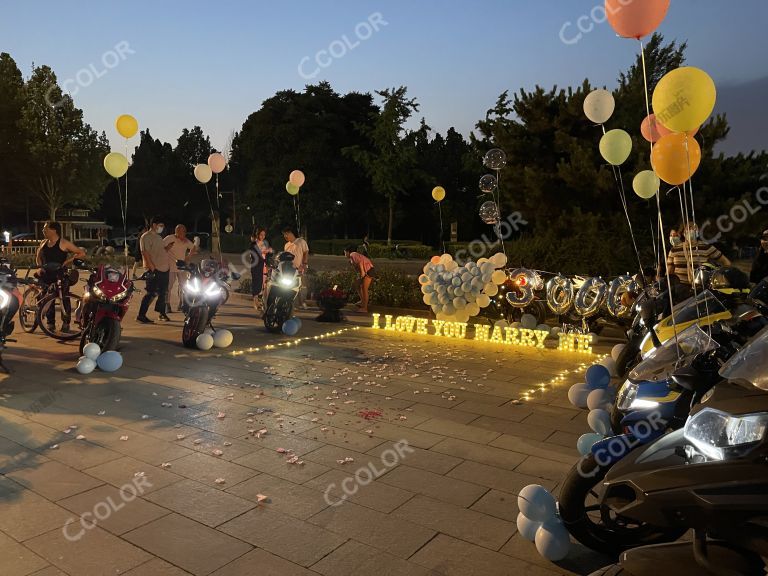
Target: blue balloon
586,441
298,322
290,328
109,361
597,376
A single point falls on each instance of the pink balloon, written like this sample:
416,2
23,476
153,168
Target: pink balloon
217,162
297,178
652,130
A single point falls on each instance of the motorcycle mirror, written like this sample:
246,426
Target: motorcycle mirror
79,263
236,276
181,265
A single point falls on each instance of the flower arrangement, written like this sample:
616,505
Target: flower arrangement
331,301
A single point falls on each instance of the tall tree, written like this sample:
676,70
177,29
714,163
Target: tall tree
13,158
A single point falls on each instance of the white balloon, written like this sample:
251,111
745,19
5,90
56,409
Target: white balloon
222,338
599,398
555,331
204,341
91,351
462,315
501,323
536,503
85,365
208,330
483,300
578,395
617,350
527,527
449,309
516,325
499,277
544,328
528,321
459,303
491,289
472,309
609,363
600,421
553,541
499,259
482,261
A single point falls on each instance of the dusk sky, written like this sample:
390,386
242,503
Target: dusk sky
213,63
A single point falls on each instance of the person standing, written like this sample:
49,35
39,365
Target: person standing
57,250
137,258
258,262
365,275
760,264
156,262
177,247
216,236
300,250
686,257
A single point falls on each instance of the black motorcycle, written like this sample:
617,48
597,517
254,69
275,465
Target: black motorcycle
283,286
204,292
9,305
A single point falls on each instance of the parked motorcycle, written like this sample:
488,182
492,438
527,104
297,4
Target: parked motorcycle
711,476
10,300
283,286
106,298
203,292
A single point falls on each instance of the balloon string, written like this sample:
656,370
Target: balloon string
442,239
125,212
623,195
122,215
497,228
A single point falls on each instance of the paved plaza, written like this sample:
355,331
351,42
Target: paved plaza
356,453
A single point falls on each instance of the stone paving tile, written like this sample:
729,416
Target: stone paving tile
54,480
126,511
451,490
204,504
349,439
469,525
287,537
564,439
535,448
462,431
496,478
81,454
544,468
156,567
262,563
185,543
480,453
18,560
274,463
284,496
206,442
355,558
386,532
207,469
512,428
452,557
556,423
512,412
95,553
28,434
25,514
329,456
300,445
455,414
376,495
160,428
49,571
431,460
394,433
121,472
499,504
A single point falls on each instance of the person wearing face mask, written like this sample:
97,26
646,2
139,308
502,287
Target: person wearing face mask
689,253
153,251
760,264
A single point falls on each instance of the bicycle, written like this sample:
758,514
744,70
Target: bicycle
41,300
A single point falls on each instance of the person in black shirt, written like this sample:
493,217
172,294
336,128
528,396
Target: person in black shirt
760,264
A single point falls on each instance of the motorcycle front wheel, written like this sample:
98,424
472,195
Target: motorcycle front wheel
277,312
194,325
596,526
106,334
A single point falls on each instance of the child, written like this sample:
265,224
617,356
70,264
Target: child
364,268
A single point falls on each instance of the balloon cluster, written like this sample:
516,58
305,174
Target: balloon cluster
292,326
93,357
538,522
295,181
457,293
211,338
216,165
115,163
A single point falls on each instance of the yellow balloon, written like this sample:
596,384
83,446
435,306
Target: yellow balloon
438,193
499,277
616,146
684,99
646,184
115,164
127,125
291,188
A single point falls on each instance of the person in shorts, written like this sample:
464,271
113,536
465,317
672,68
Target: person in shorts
365,274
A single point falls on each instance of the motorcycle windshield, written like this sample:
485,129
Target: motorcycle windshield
705,304
750,364
664,360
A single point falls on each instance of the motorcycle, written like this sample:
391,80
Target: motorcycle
10,299
283,286
204,292
106,298
710,476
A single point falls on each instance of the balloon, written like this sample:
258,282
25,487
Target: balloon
617,350
501,324
499,277
578,394
488,183
528,321
473,309
298,321
635,18
553,541
593,337
616,146
600,421
222,338
110,361
204,341
291,188
203,173
217,162
491,289
586,441
524,282
590,297
618,289
438,193
599,398
92,350
290,328
555,331
297,178
435,260
653,130
208,330
459,303
676,157
499,260
559,294
684,98
544,328
483,300
527,528
126,125
646,184
115,164
599,106
597,376
495,159
85,365
536,503
610,364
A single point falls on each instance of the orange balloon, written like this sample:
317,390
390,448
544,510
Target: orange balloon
652,129
676,157
635,18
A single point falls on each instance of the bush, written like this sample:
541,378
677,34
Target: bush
412,248
391,287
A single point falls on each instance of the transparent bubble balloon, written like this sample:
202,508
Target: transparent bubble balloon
488,183
495,159
489,213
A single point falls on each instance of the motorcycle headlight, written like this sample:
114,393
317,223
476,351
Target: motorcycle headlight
213,291
193,286
5,299
97,291
627,395
288,281
640,404
719,435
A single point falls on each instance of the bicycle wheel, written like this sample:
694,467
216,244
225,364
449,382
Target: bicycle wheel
28,309
58,329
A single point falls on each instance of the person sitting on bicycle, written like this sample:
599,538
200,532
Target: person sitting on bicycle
56,250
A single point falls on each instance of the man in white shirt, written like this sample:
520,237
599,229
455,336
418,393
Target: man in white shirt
178,247
156,263
300,250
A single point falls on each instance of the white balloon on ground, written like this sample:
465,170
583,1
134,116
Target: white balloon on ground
578,395
555,331
544,328
536,503
599,421
528,321
616,351
91,351
586,441
501,323
553,541
85,365
110,361
610,364
222,338
527,527
600,398
204,341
